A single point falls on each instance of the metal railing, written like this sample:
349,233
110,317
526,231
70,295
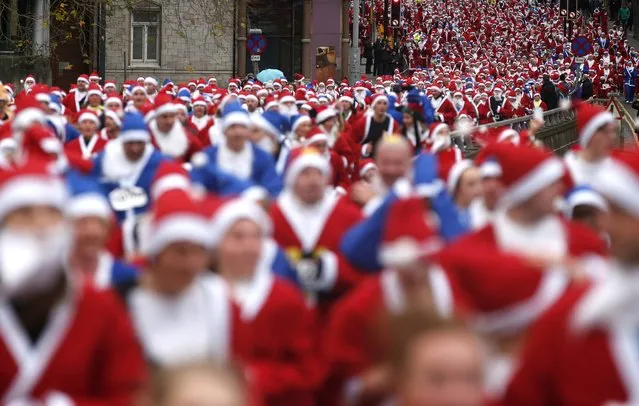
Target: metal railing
559,132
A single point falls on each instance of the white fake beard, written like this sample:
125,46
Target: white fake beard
31,262
288,111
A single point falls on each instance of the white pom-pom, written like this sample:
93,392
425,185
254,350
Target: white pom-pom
565,104
199,159
465,127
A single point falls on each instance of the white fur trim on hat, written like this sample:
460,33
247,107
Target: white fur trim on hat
110,100
406,252
89,205
114,116
319,137
287,99
490,169
134,136
26,117
584,198
509,134
306,161
299,121
367,167
619,184
378,99
234,211
89,116
325,115
97,92
347,99
151,81
31,190
82,79
456,173
166,108
199,103
513,318
175,228
593,125
234,118
546,173
169,182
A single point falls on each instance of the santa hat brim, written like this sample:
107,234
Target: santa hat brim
306,161
177,228
241,209
31,191
543,175
325,115
89,205
593,125
620,185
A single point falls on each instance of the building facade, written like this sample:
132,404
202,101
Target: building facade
175,39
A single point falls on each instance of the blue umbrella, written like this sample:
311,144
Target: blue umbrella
269,75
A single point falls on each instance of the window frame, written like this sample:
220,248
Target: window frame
145,61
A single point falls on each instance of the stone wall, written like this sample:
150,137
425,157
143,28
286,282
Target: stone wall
196,40
14,68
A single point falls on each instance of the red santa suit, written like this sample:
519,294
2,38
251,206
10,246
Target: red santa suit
444,109
584,350
361,133
311,235
280,348
200,123
178,143
81,147
87,354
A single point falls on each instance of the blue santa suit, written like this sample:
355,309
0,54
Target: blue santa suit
629,83
361,243
262,171
220,183
136,182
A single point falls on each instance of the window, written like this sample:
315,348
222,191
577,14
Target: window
145,33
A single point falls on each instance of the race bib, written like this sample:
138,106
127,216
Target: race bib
124,199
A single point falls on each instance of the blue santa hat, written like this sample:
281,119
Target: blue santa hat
583,196
271,122
133,128
166,82
87,199
184,95
234,114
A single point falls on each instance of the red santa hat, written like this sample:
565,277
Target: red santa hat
589,119
298,77
94,76
347,97
150,81
170,175
365,165
315,135
40,143
164,104
303,158
83,78
377,98
525,171
109,84
29,78
94,89
324,113
618,181
31,184
113,98
199,101
508,135
407,239
270,102
89,115
175,218
224,213
114,116
28,112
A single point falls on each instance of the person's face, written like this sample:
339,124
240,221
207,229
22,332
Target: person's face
601,142
95,100
175,268
623,229
139,98
302,130
251,104
392,162
240,249
345,105
192,88
329,123
370,174
592,217
29,83
408,120
33,219
90,234
133,150
236,136
442,369
469,187
150,88
543,202
381,107
109,124
492,189
165,121
113,106
199,111
82,85
193,388
309,185
87,127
